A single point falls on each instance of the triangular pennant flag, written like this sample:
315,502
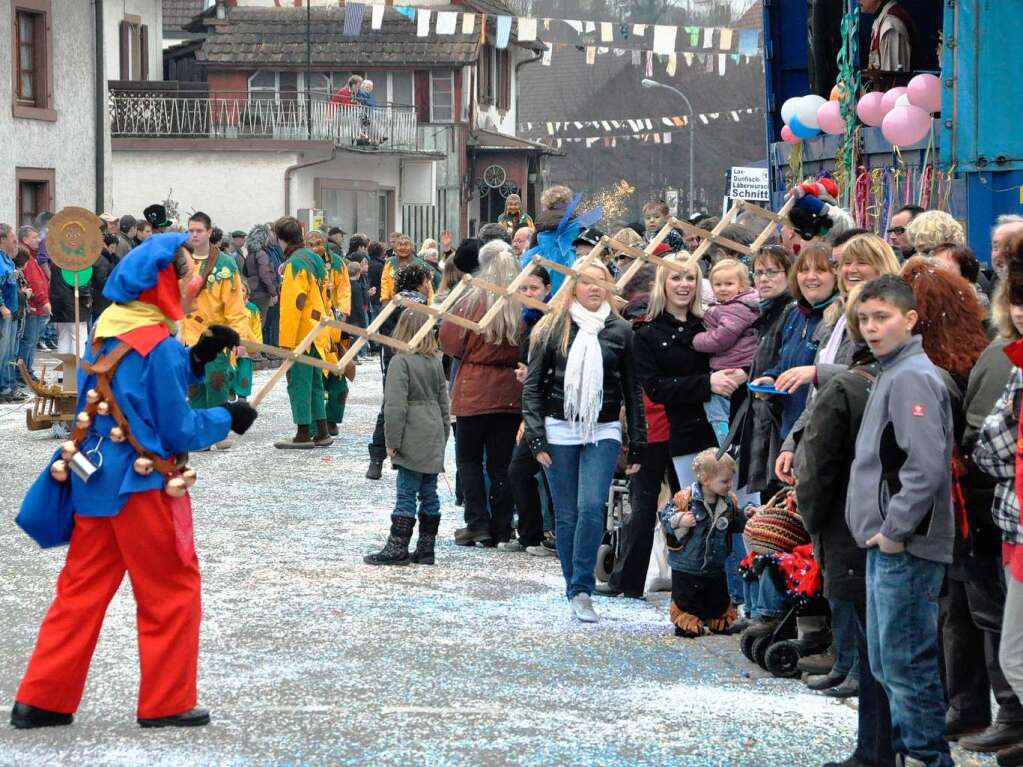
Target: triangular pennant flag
606,33
550,128
708,37
602,50
527,29
708,62
703,119
748,41
672,64
378,16
576,25
591,54
503,31
591,141
423,22
694,36
407,11
616,124
446,21
639,30
353,19
678,122
725,39
664,38
578,125
614,142
590,26
468,23
648,124
547,25
657,138
735,116
689,58
666,120
666,137
722,63
605,125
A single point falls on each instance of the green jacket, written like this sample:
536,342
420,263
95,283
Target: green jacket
417,416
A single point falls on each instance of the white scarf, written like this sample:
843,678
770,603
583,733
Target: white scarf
584,370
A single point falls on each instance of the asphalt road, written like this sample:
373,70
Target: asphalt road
310,657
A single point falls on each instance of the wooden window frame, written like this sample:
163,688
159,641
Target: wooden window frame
45,176
450,75
43,109
502,80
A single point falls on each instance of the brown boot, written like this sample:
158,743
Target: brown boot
322,438
301,440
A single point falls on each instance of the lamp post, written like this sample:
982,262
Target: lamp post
648,83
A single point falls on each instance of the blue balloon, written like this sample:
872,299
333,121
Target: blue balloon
802,131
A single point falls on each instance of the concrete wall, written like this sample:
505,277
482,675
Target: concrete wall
66,145
151,14
237,189
375,171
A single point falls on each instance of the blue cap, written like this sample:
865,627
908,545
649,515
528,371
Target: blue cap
140,269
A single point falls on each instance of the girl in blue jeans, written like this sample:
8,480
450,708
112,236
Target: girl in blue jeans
580,374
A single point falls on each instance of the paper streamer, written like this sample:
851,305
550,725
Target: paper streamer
664,39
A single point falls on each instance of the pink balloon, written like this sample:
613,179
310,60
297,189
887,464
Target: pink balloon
905,126
788,136
870,110
829,117
890,97
924,91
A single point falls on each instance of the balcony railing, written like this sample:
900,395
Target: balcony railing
390,127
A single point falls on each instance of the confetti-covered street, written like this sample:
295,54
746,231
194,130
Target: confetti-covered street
311,657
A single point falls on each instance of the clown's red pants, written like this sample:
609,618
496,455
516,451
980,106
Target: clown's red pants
139,540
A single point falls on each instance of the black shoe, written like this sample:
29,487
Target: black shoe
197,717
466,537
607,590
1011,756
375,470
26,717
738,626
825,681
849,688
996,737
852,761
957,728
820,663
395,551
762,627
424,553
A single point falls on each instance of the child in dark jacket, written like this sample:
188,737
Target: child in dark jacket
698,525
729,337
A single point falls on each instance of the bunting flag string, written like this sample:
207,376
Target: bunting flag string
633,124
665,39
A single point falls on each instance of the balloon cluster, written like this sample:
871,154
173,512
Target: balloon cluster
903,114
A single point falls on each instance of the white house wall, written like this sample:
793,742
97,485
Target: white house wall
236,189
370,171
151,14
67,145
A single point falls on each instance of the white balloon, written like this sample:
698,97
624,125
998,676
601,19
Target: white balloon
903,101
806,110
789,108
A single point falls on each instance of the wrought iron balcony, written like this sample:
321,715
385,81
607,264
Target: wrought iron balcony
388,127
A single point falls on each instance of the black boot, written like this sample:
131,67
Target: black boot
376,468
424,555
26,717
197,717
395,551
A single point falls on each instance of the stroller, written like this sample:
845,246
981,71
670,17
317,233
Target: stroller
619,509
781,551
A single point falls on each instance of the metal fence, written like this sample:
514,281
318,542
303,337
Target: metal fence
383,128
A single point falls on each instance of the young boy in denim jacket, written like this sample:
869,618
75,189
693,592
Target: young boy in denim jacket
698,525
899,507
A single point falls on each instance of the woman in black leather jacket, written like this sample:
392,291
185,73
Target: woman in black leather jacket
580,374
672,372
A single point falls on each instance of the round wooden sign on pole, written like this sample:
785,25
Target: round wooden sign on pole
73,239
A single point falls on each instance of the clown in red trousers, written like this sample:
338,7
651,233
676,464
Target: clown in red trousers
117,492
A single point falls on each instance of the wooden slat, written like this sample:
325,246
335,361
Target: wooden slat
278,374
445,306
627,275
434,311
363,338
696,231
517,297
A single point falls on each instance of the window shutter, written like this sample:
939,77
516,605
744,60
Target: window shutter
504,97
144,53
125,50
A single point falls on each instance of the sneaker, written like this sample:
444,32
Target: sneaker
582,608
540,551
15,395
660,584
549,542
514,546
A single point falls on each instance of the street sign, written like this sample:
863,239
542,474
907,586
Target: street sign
749,184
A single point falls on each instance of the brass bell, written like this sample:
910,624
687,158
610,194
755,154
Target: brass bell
117,434
144,466
190,475
92,396
58,470
176,487
103,408
84,420
68,449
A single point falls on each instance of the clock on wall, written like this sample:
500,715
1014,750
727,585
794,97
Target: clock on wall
494,176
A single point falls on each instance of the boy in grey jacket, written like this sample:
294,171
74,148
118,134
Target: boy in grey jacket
899,507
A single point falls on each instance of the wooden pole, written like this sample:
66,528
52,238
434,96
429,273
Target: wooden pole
297,352
445,305
363,338
634,267
78,329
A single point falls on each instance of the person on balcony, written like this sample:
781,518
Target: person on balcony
893,45
365,95
349,93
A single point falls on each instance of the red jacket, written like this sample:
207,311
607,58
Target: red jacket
657,428
37,280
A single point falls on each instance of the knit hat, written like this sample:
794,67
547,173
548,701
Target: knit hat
467,256
777,527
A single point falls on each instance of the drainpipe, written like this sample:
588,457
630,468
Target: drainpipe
100,116
298,166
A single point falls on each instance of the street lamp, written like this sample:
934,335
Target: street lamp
648,83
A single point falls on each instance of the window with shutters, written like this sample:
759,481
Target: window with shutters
32,60
502,79
35,193
134,49
487,63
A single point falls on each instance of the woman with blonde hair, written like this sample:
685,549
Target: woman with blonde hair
580,374
486,398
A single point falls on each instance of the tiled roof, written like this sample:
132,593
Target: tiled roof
177,14
278,36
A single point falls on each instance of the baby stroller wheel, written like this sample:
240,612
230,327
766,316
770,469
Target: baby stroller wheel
759,650
605,562
746,645
781,659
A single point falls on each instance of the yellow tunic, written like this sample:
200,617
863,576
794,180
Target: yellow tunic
387,280
303,304
219,302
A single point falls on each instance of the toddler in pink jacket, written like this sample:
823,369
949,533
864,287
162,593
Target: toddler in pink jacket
729,338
